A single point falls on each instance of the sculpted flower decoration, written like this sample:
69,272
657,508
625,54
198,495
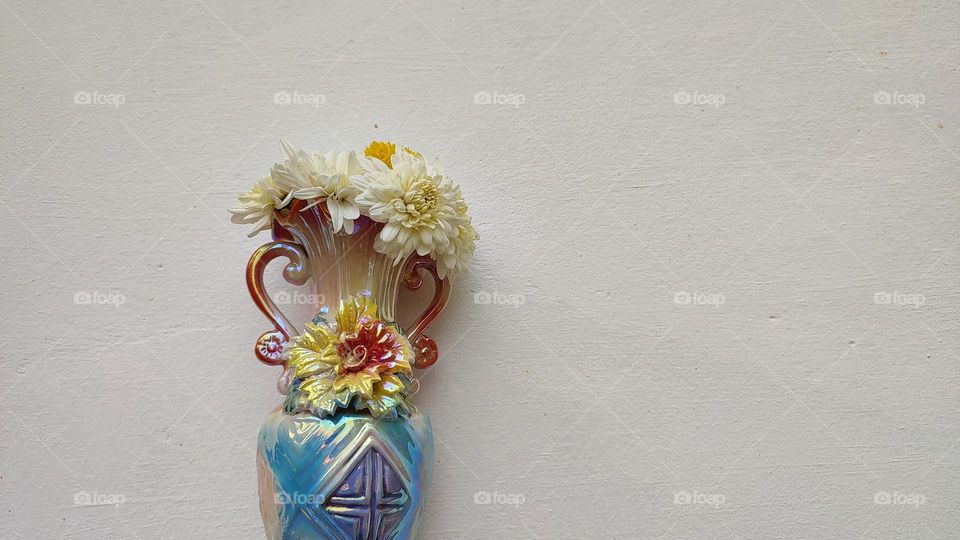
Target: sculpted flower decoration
361,360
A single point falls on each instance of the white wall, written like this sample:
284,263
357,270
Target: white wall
790,194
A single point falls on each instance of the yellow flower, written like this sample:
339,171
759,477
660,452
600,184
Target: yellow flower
363,360
384,151
381,150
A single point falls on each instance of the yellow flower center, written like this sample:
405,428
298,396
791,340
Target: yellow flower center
424,197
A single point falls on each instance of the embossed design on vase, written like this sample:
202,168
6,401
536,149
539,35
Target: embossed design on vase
372,498
344,477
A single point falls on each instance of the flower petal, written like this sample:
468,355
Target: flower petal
390,231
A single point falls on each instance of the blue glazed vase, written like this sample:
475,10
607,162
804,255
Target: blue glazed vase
347,476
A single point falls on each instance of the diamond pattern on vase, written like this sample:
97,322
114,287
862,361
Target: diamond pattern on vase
371,500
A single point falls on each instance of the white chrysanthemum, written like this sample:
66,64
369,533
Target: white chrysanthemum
330,178
421,211
258,204
297,170
460,251
336,183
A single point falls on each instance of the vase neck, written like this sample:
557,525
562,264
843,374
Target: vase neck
342,265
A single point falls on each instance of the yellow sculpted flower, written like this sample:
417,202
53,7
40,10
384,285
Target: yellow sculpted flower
362,360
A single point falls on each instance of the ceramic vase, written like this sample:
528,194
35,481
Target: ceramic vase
351,474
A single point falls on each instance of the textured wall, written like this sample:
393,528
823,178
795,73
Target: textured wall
723,235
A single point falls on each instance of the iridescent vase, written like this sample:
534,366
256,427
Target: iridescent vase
348,475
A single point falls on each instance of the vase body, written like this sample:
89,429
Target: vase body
348,475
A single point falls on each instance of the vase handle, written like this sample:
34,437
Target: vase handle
269,346
426,347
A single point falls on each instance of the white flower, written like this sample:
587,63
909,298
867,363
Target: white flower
460,251
337,184
258,204
330,178
421,210
295,172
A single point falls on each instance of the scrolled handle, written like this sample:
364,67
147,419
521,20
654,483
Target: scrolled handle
270,344
425,347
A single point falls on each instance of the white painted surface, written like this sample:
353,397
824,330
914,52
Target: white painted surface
599,400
